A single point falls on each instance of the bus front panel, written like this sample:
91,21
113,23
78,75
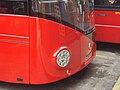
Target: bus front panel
61,38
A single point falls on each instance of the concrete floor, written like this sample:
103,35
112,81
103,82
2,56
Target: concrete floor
100,74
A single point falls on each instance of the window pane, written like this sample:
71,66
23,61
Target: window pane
107,3
13,7
63,11
88,13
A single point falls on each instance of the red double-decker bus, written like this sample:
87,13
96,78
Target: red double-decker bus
107,19
43,41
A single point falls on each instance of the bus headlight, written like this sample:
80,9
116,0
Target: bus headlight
63,58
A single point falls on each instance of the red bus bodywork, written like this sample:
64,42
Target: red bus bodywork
107,22
29,47
107,27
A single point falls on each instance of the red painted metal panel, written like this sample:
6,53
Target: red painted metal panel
46,38
108,26
30,53
14,49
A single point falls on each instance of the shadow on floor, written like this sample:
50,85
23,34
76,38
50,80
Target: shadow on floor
110,47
